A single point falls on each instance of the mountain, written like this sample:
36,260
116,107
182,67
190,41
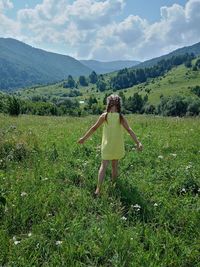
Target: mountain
101,67
187,49
22,65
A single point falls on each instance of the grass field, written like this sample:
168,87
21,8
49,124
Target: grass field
48,216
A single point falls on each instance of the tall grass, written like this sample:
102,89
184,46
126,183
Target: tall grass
48,216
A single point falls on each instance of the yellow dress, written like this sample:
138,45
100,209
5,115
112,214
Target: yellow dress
112,146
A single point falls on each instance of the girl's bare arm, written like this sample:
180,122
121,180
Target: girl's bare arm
132,134
92,129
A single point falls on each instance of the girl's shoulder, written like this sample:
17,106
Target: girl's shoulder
103,115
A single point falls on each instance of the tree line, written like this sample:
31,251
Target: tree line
168,106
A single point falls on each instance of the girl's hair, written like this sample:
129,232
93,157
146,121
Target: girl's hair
114,100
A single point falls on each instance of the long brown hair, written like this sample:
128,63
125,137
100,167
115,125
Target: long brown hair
114,100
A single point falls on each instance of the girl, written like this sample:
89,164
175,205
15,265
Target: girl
112,147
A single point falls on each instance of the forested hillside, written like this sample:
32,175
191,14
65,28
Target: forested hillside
22,65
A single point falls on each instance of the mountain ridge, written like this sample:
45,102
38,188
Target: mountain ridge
195,48
22,65
103,67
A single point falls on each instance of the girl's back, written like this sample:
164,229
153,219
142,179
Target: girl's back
112,147
112,139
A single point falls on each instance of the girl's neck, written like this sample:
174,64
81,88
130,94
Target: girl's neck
113,109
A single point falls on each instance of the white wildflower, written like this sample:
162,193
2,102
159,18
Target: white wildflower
17,242
124,218
155,205
173,154
58,242
160,157
136,206
131,238
23,194
189,166
183,190
29,234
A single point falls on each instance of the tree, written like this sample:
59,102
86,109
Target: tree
196,90
83,81
92,100
123,98
173,106
70,82
93,77
140,76
176,106
135,103
193,107
149,109
197,64
101,85
105,98
188,63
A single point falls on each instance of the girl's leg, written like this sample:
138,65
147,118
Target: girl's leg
101,175
114,170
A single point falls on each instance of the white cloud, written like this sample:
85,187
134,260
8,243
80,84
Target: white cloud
135,38
89,27
8,27
5,4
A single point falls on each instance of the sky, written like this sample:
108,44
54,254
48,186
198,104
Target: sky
103,29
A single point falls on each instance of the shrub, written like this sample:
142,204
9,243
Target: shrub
149,109
14,106
172,106
196,90
193,108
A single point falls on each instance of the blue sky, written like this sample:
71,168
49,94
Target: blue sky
146,9
103,29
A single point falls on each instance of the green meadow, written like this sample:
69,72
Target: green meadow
49,217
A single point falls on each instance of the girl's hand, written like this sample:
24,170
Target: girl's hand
81,140
139,146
